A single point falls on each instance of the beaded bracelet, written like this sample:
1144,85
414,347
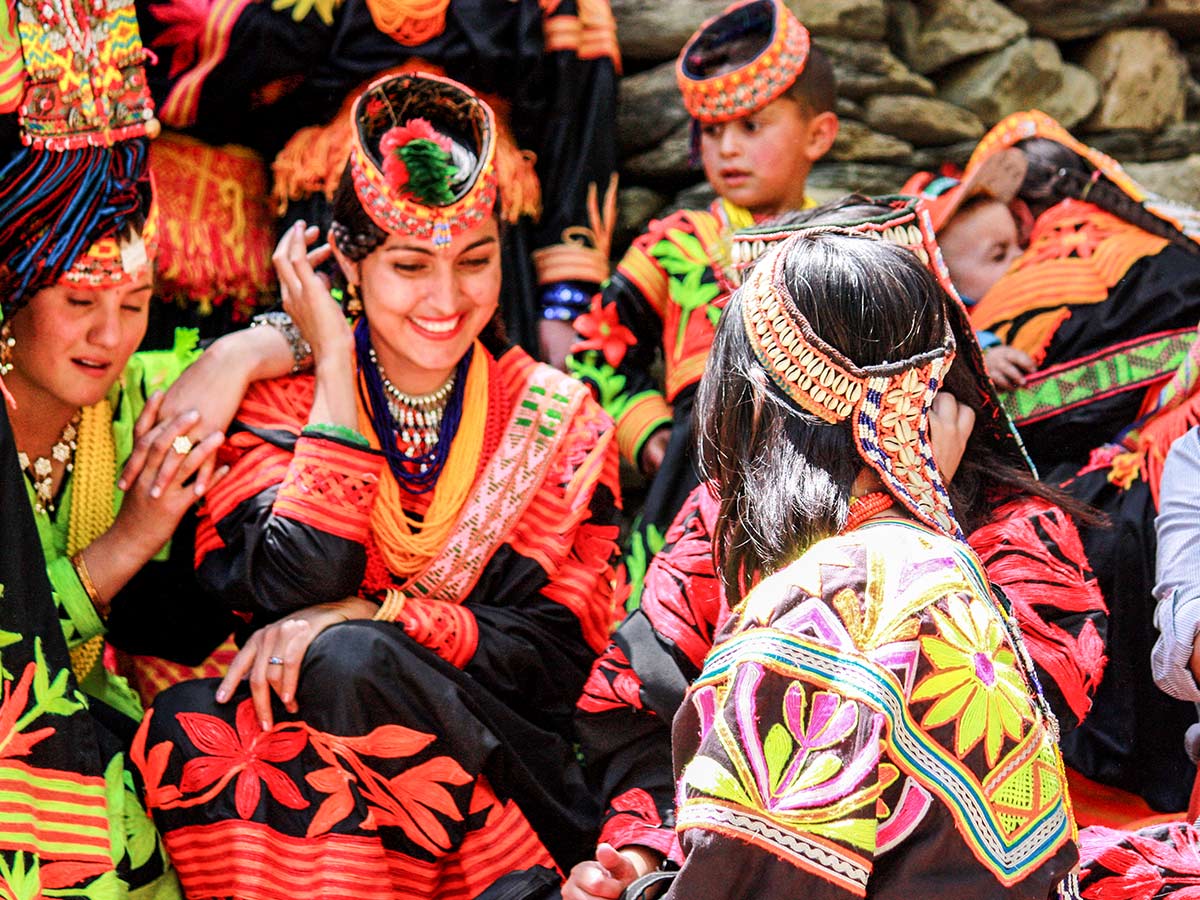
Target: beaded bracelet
282,322
89,586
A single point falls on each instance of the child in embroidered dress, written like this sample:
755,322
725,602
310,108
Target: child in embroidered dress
761,98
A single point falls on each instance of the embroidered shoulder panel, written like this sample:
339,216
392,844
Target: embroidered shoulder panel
895,636
509,483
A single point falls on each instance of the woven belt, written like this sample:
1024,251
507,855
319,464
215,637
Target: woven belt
1125,367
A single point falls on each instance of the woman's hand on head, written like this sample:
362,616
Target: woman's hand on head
286,642
306,296
608,875
1007,366
950,425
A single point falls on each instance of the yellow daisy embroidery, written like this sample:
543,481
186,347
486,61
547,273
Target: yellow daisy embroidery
976,683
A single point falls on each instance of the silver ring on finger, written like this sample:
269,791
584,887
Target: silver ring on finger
182,445
275,661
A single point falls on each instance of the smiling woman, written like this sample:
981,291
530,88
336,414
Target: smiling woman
422,532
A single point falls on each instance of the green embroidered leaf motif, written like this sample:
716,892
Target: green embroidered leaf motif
710,776
714,315
680,253
858,833
643,545
141,837
778,750
20,880
691,294
41,674
7,639
609,384
818,770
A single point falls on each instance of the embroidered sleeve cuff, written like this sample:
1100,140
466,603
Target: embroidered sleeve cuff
570,262
331,486
449,630
644,416
72,599
625,830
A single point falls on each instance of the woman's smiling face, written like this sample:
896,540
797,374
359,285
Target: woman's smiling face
427,304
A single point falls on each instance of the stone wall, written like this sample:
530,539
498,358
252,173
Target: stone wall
920,81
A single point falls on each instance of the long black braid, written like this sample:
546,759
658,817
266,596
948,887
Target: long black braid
1058,173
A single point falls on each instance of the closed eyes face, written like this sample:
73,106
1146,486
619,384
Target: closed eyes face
73,341
428,304
978,245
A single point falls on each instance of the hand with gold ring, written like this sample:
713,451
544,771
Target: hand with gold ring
149,514
162,450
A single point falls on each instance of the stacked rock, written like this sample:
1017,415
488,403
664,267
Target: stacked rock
920,81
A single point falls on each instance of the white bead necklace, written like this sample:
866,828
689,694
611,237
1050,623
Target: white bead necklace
418,417
41,472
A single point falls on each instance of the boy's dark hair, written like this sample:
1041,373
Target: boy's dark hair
815,88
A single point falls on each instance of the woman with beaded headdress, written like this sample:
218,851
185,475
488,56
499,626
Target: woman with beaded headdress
1104,297
422,532
869,715
78,237
1021,530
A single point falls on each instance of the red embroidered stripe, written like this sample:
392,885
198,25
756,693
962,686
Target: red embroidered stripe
331,487
251,861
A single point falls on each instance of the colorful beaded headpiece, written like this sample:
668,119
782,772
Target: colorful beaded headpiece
113,261
771,67
71,74
1034,123
887,406
907,225
423,156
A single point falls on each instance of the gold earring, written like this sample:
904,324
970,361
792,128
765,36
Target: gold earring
354,302
7,342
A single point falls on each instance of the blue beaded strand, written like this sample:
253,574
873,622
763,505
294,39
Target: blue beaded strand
416,474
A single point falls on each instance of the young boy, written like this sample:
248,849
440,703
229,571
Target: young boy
979,238
761,98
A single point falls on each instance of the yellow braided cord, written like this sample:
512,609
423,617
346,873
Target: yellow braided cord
91,505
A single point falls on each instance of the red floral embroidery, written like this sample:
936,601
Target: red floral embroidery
246,754
682,596
12,742
602,330
612,684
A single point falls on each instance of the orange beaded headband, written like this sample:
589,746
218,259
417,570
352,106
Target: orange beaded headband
738,92
113,261
887,405
397,102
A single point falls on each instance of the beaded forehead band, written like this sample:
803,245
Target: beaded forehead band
112,261
733,94
422,182
887,405
907,224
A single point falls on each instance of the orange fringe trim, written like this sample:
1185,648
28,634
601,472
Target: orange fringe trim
584,252
409,22
215,232
314,159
